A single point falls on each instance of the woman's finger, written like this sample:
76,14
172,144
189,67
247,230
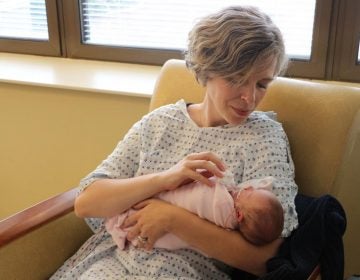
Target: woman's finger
145,239
196,176
131,220
149,245
134,232
208,156
142,204
202,165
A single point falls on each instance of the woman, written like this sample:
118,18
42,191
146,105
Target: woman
235,53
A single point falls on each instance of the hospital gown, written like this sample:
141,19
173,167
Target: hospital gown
254,149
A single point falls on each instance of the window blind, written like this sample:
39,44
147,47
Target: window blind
164,24
23,19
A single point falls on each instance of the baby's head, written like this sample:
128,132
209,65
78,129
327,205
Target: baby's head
260,215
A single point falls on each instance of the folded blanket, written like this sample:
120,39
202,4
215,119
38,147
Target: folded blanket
317,240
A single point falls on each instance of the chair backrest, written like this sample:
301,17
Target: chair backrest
322,122
317,119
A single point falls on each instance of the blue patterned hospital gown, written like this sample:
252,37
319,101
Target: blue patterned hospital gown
254,149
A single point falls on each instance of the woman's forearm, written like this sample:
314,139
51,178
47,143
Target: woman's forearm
221,244
109,197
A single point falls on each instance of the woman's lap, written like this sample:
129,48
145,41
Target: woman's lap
99,258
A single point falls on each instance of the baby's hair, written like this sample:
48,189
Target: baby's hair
263,223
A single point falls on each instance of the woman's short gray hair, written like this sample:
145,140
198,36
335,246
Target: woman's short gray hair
233,43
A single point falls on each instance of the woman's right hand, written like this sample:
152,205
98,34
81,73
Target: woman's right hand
194,167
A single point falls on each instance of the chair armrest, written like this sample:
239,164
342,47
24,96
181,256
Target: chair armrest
35,242
315,275
35,216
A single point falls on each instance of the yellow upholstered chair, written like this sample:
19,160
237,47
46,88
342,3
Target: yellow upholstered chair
323,125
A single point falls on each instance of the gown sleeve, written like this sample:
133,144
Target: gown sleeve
269,155
123,162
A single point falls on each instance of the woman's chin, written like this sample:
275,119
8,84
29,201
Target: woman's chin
238,120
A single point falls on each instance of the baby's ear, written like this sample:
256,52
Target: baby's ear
239,216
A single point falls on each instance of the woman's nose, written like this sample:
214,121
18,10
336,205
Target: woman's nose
248,95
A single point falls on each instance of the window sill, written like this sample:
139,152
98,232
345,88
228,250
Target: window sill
84,75
81,75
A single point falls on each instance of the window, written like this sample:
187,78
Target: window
321,36
24,20
29,26
346,53
151,24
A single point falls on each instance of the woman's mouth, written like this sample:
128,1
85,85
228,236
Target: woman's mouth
240,112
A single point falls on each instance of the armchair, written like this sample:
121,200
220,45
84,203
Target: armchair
323,125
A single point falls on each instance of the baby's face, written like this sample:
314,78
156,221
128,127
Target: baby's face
250,194
244,194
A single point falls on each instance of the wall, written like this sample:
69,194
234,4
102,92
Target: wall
51,138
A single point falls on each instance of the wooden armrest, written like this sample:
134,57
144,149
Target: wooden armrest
315,274
35,216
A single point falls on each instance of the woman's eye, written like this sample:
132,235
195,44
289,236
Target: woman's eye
262,86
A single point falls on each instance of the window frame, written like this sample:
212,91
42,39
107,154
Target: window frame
346,64
52,47
315,67
76,49
336,36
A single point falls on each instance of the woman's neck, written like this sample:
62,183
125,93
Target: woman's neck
203,114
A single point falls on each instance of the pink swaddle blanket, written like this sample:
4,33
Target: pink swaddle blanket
215,204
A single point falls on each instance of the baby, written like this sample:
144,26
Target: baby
250,207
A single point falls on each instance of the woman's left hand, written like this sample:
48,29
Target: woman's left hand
150,222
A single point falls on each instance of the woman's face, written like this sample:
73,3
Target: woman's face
229,103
